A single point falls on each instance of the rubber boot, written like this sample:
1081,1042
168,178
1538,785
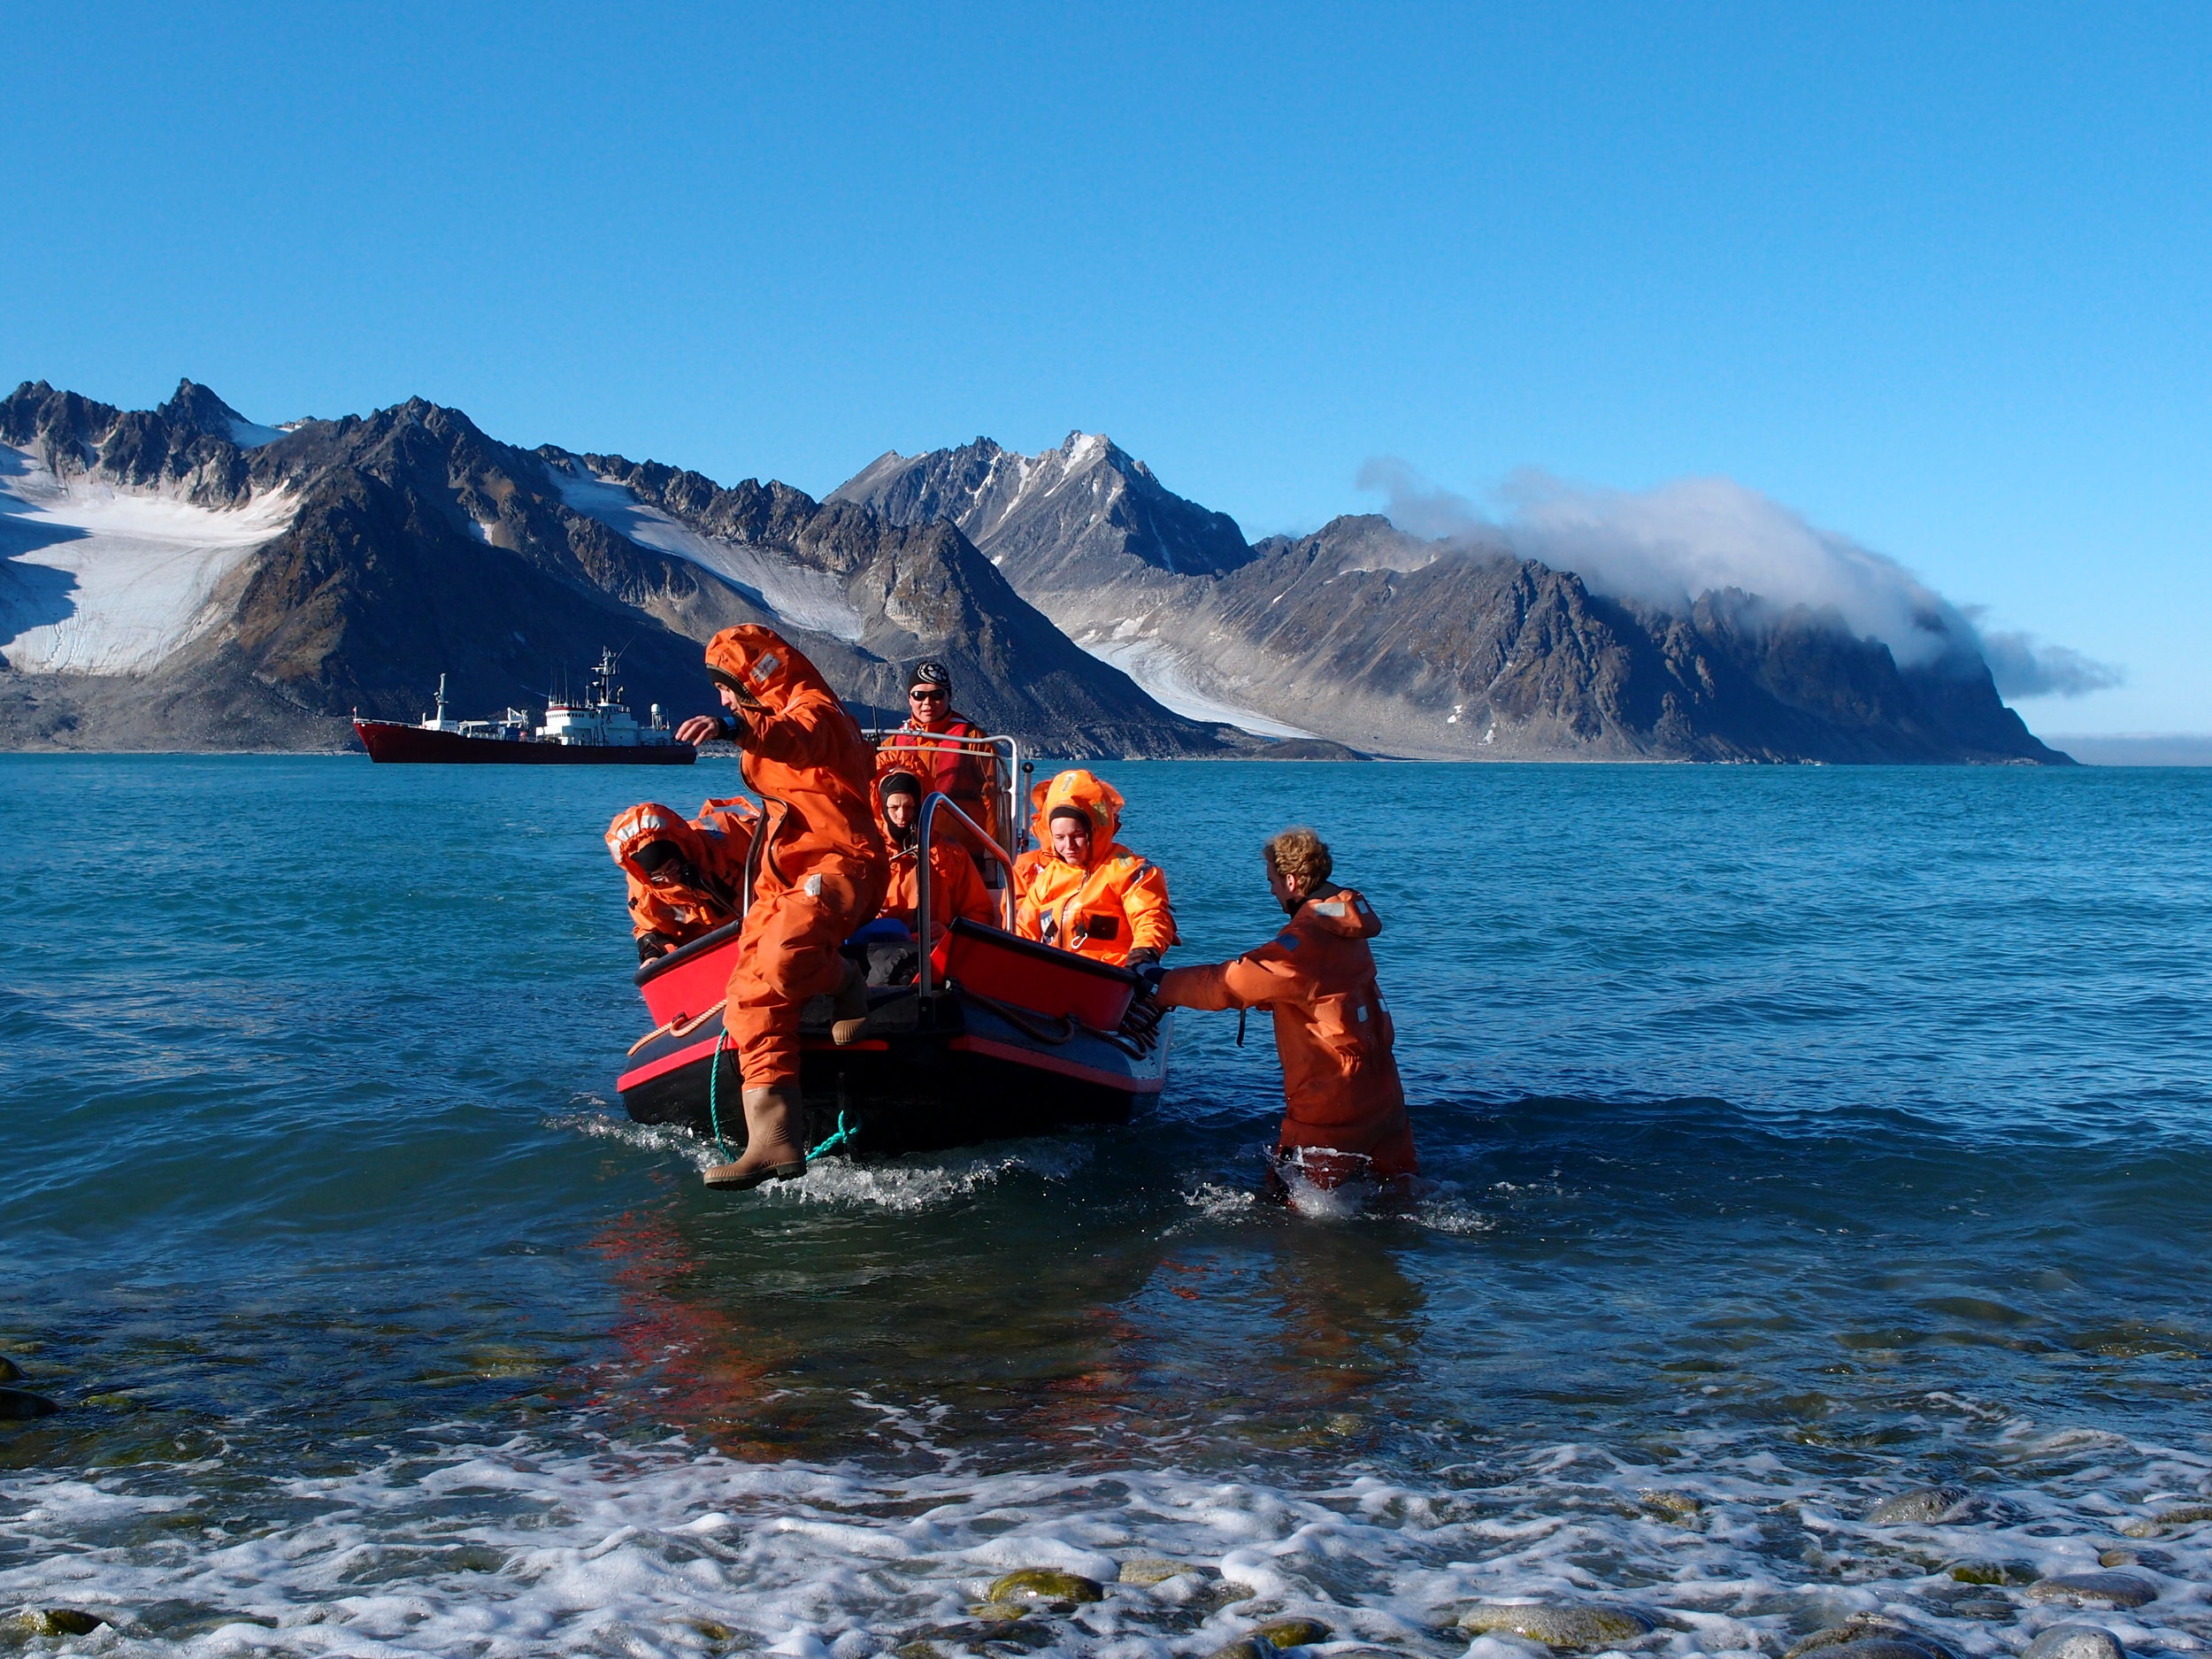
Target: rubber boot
849,1016
772,1149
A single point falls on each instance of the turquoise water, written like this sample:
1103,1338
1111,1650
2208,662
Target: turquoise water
1800,1136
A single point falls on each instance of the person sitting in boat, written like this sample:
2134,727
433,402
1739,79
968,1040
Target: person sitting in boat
1088,893
955,888
687,876
926,745
820,873
1345,1109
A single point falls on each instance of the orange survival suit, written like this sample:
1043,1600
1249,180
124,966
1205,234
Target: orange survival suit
821,869
954,887
1116,905
715,844
1340,1086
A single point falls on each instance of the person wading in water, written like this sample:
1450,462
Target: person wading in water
820,874
1345,1107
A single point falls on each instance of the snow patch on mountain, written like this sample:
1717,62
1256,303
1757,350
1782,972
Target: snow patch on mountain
810,599
1155,666
98,579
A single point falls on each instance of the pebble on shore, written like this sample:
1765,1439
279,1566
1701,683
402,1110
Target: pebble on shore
1922,1505
1869,1638
2075,1641
1581,1627
20,1403
2094,1589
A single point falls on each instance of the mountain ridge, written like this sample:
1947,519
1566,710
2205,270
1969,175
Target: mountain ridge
1363,634
414,545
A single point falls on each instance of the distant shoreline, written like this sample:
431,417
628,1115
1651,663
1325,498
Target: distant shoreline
2135,749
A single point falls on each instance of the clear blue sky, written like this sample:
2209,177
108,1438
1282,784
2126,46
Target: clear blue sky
1938,276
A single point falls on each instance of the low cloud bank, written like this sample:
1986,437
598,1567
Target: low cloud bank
1666,547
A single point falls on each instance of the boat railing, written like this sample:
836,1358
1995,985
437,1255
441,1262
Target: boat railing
925,936
1005,752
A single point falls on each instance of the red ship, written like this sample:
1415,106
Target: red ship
599,730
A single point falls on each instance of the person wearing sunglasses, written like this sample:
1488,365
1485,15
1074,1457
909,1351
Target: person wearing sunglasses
929,744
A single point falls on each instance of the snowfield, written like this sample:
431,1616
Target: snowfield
96,579
805,598
1157,667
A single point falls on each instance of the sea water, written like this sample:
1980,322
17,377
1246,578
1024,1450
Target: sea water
1797,1137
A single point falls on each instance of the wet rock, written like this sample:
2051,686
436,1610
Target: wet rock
711,1631
69,1621
1676,1506
2075,1641
1291,1633
1002,1612
2094,1589
1982,1607
2155,1525
2156,1560
1921,1506
1150,1570
1245,1647
917,1650
1991,1572
1044,1584
1016,1632
1574,1626
1860,1638
20,1403
9,1372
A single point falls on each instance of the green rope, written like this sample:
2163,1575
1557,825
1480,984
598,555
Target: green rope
714,1112
838,1139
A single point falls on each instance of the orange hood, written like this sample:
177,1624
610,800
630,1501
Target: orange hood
635,827
762,661
1098,800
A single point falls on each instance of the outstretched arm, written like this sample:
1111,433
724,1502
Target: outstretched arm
1265,975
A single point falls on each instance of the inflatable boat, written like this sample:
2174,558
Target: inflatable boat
997,1036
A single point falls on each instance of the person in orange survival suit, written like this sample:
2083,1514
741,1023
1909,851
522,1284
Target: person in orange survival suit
1092,894
819,875
965,774
1345,1106
956,889
687,876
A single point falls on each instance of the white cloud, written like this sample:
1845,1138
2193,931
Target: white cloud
1667,547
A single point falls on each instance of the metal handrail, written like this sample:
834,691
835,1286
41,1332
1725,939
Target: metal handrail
1004,750
922,894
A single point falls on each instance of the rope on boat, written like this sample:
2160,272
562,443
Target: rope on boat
714,1108
838,1139
677,1026
1019,1018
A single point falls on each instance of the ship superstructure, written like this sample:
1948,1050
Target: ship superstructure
600,728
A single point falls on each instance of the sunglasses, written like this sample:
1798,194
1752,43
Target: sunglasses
925,696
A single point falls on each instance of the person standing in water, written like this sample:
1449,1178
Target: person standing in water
819,875
1345,1109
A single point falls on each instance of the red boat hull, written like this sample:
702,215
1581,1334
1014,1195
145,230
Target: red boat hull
391,740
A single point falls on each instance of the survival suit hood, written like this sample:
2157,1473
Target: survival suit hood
638,826
1097,800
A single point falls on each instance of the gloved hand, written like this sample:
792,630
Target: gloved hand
652,947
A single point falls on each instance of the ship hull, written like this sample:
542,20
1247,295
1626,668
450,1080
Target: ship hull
391,740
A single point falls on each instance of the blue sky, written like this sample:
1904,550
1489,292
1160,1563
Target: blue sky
1939,279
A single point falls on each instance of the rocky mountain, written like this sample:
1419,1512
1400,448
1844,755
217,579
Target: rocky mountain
181,577
1362,633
